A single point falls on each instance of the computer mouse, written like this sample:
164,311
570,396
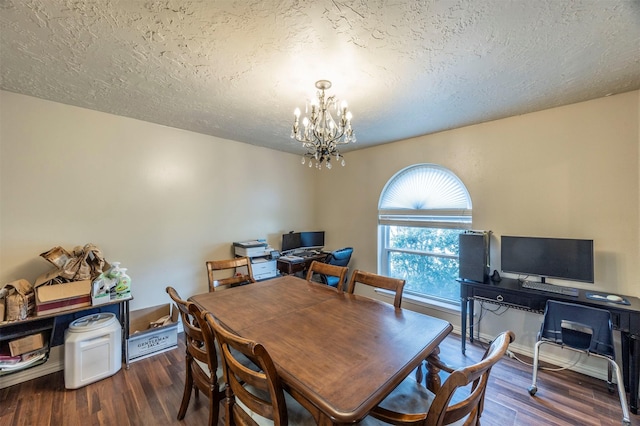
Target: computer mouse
614,298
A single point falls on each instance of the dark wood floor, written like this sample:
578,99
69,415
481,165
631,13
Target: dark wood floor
149,393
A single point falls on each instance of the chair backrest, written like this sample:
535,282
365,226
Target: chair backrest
327,270
197,347
378,281
441,413
578,326
340,257
258,390
228,270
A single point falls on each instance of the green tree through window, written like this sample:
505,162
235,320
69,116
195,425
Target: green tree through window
422,210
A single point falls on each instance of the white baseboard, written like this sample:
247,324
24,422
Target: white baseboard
585,365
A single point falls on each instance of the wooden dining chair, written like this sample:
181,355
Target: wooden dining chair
379,281
330,270
411,403
203,372
254,396
229,272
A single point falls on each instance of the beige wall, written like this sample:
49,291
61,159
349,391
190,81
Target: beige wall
158,199
564,172
162,200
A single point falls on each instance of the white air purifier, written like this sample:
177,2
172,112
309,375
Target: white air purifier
92,349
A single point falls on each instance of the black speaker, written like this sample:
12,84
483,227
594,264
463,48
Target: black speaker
474,256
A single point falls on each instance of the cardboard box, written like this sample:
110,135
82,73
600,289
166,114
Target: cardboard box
144,341
26,344
60,297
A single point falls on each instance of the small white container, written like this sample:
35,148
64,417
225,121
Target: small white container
92,349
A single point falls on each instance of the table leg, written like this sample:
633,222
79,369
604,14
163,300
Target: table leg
433,381
125,334
463,323
634,373
631,368
471,313
325,421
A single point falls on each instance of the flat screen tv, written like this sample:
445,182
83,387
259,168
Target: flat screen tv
563,258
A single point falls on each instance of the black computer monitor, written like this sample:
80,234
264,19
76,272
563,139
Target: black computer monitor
563,258
312,240
302,241
291,241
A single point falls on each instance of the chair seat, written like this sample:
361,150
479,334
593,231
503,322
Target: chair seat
298,415
219,373
409,397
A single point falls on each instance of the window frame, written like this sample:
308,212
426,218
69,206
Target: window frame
455,215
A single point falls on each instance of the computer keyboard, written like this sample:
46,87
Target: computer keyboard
550,288
292,258
306,253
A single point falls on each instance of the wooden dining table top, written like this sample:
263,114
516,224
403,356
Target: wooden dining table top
342,352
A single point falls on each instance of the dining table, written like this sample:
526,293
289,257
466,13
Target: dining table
339,354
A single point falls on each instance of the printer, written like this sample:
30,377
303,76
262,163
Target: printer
259,252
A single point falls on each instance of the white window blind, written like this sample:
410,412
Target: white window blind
425,195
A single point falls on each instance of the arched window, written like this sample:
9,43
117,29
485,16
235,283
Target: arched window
422,210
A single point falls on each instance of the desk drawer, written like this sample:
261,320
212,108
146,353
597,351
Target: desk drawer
290,268
501,297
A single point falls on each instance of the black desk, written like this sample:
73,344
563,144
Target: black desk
509,292
288,267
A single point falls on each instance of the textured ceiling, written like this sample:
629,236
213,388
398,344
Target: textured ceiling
237,69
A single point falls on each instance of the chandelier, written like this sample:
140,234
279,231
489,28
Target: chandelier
320,134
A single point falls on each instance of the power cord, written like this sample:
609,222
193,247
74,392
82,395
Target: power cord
483,310
512,355
501,310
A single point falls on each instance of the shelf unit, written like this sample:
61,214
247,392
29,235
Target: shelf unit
52,326
15,330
